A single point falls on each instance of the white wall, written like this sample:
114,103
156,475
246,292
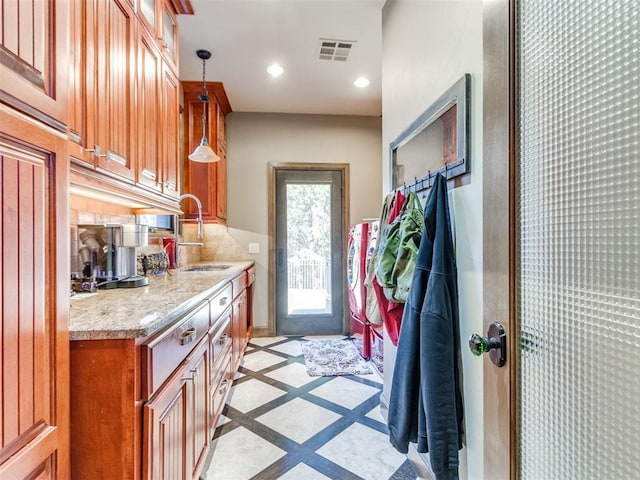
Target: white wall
257,139
427,45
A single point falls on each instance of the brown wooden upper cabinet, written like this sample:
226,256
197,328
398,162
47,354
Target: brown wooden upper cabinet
159,18
208,181
148,111
124,115
103,90
170,132
34,47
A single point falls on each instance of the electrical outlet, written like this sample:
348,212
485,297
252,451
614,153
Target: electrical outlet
254,248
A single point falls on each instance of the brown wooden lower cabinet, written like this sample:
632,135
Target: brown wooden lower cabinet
239,327
176,421
220,373
147,408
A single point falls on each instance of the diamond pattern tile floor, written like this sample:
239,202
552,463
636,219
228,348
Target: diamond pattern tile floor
283,424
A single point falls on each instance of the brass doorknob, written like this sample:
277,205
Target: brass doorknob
495,343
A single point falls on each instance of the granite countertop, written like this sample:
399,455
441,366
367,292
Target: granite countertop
138,312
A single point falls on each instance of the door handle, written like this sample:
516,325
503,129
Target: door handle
495,343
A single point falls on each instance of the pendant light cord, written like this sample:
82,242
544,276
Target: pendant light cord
204,96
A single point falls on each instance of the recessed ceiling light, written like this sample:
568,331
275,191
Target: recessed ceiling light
275,70
361,82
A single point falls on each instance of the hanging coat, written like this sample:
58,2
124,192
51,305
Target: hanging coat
390,312
425,406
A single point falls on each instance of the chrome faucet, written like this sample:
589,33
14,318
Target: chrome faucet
177,226
199,205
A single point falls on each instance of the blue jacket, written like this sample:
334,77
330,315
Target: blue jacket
425,405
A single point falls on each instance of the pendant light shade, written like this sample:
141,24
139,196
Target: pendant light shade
203,152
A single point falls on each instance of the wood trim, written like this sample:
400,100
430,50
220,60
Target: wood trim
499,294
32,112
214,88
514,335
271,232
182,7
114,391
82,176
260,332
271,262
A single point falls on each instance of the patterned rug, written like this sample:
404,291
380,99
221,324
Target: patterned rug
325,358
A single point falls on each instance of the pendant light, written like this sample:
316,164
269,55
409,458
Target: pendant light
203,152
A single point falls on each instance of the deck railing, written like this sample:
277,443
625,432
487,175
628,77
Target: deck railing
308,274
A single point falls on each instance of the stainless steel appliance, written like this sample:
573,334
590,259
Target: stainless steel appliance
108,253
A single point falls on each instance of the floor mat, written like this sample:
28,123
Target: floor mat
333,357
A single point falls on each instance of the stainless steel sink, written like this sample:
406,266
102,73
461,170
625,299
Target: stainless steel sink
207,268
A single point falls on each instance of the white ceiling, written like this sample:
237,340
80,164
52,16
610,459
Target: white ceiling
246,36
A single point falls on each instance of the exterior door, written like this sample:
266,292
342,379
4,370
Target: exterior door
309,236
561,170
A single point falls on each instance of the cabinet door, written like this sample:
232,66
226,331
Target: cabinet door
169,34
221,179
170,132
77,73
148,103
177,421
34,412
239,327
34,59
110,126
198,434
167,450
199,178
206,180
147,14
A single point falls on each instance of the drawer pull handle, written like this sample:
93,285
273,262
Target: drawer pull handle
223,301
187,336
223,386
223,338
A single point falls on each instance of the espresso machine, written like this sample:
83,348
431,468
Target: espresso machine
108,254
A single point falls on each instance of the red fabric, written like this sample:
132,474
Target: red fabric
390,312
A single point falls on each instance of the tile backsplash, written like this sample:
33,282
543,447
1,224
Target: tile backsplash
219,245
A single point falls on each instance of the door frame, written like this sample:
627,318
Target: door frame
501,424
271,232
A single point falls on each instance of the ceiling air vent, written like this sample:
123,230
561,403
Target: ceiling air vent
337,50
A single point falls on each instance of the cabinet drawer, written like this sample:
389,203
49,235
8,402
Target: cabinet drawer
220,302
163,353
220,338
239,284
220,388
